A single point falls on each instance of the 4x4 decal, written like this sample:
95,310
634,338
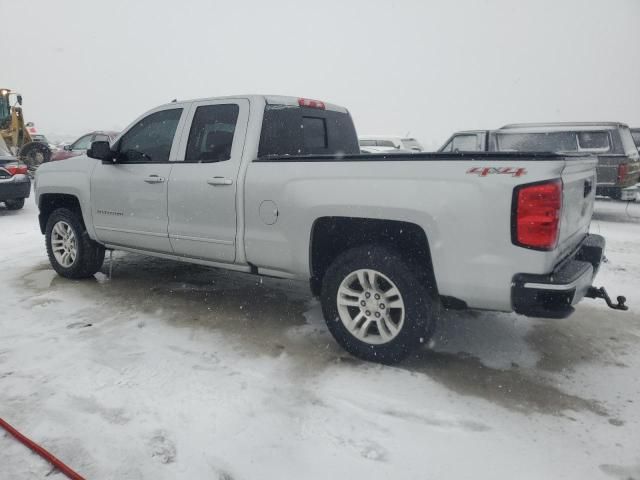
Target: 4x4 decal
484,171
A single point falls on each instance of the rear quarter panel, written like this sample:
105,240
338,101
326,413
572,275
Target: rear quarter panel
466,216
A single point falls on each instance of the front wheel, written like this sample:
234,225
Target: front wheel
71,252
376,307
34,154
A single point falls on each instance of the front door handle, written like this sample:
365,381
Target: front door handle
154,179
219,181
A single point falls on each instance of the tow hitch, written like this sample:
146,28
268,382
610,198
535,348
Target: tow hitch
594,292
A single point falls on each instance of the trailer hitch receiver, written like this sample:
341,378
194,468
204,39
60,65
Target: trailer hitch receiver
594,292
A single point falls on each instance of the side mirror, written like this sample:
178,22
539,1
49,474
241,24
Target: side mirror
19,98
101,150
68,148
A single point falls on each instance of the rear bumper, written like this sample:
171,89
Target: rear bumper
618,193
555,294
18,186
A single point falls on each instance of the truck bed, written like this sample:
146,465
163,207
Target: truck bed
463,202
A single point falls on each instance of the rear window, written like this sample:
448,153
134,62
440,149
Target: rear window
598,141
635,134
314,133
537,142
289,130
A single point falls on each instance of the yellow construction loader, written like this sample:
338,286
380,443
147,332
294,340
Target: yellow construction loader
16,134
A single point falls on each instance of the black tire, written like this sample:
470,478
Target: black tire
35,154
14,204
90,255
419,309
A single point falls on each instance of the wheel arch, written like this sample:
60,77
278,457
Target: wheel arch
49,202
332,235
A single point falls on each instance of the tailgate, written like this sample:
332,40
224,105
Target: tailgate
578,196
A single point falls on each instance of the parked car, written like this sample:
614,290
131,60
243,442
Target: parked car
379,143
618,158
235,183
82,144
15,184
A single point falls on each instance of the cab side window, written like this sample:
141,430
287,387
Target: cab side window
465,143
150,140
211,134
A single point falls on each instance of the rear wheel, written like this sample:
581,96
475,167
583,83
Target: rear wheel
14,204
375,306
71,252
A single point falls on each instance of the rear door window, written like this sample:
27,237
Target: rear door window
211,134
594,141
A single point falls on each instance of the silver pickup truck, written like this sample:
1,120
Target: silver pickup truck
276,186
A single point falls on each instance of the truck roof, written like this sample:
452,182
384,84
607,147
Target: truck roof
269,100
384,137
563,126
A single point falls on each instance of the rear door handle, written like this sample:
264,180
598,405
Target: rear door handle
154,179
219,181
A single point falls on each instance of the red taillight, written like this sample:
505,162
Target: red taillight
15,169
307,102
536,218
623,169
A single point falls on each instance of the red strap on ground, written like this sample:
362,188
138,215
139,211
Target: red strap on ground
41,451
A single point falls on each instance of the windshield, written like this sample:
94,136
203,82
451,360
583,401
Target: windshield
5,109
628,143
4,150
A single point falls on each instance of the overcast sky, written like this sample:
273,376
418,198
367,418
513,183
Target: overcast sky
424,67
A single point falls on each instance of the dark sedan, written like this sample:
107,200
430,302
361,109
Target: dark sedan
15,184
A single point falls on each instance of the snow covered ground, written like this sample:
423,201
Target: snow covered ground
173,371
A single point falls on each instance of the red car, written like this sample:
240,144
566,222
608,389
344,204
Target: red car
82,144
